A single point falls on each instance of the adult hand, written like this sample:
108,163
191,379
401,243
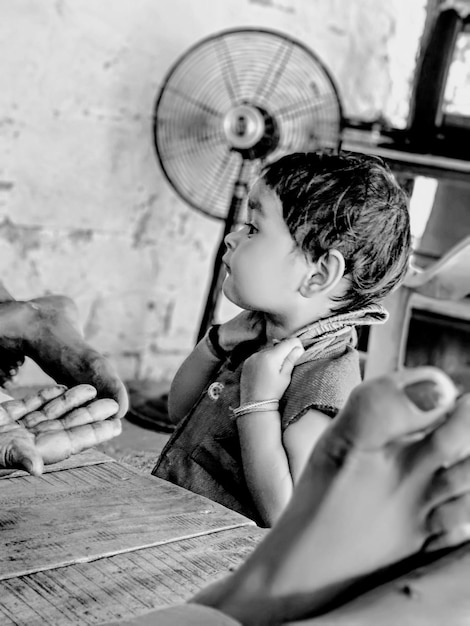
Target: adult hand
11,356
47,330
267,373
53,424
10,362
245,326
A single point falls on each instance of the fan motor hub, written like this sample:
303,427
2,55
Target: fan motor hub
244,126
251,131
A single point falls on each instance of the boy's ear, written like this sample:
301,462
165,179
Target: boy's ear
324,274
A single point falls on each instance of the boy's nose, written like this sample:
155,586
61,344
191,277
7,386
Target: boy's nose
230,240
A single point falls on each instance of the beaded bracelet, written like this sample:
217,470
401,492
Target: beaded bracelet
212,341
256,407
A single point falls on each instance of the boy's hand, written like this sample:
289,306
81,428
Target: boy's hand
53,424
267,374
245,326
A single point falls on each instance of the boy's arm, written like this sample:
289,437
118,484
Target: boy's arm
200,366
265,463
272,461
191,379
300,439
265,376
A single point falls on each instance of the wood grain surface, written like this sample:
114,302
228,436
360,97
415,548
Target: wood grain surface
85,513
125,585
87,457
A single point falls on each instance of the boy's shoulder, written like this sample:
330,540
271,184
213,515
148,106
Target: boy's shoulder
322,384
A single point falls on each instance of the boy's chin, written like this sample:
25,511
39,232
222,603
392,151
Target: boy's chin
234,298
228,293
237,302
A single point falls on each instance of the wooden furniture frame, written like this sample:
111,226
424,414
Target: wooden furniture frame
440,288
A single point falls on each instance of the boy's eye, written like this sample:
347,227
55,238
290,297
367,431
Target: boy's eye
251,229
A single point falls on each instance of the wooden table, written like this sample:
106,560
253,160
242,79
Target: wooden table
93,540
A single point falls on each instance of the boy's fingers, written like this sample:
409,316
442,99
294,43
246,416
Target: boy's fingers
293,356
96,411
289,352
284,347
60,406
16,409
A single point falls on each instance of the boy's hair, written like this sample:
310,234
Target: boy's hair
351,203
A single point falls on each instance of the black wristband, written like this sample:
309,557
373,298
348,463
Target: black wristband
213,339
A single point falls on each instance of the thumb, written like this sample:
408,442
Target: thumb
25,456
409,402
293,350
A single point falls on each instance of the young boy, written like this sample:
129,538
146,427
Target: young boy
327,238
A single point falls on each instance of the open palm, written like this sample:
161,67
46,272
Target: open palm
52,424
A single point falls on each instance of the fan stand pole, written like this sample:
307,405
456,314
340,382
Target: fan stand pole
240,190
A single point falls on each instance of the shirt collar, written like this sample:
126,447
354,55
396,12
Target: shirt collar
331,335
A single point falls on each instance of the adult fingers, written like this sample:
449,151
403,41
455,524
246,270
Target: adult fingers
108,385
449,524
96,411
57,446
399,408
115,388
449,493
101,373
84,437
11,361
29,459
16,409
429,389
60,406
449,483
18,451
449,443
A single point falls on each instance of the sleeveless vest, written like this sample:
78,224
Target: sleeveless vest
203,454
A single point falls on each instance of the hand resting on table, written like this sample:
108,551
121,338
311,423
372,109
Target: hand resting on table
52,425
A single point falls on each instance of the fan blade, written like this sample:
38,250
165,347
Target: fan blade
230,77
201,104
307,107
265,84
221,177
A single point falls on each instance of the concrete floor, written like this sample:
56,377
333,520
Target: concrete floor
136,446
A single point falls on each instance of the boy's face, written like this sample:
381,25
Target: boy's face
264,267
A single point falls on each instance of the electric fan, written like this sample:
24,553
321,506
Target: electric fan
233,101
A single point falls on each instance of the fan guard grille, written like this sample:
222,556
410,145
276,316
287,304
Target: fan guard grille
262,69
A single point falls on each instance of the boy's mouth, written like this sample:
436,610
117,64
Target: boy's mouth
226,265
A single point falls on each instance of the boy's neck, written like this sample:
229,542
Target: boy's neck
280,327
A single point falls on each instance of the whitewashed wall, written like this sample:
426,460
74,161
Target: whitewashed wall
84,208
